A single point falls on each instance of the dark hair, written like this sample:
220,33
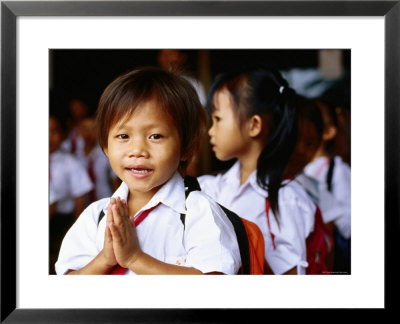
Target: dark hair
174,94
310,130
309,110
266,93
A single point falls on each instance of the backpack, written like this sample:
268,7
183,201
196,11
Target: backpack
318,244
249,236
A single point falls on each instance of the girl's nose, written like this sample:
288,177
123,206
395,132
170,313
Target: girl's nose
211,130
138,149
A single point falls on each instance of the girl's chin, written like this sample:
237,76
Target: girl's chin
223,158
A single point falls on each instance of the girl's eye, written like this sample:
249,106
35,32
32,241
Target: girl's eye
155,136
122,136
216,118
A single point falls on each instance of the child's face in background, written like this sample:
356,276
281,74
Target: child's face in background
87,130
306,147
78,109
145,149
55,135
226,138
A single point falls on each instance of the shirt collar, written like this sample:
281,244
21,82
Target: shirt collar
171,194
315,167
309,184
232,178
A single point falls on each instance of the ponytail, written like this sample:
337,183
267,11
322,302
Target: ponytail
281,143
266,93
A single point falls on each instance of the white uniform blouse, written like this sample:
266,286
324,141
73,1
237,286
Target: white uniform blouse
102,170
73,136
296,220
330,209
68,180
341,187
207,243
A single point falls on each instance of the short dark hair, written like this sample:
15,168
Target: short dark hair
175,95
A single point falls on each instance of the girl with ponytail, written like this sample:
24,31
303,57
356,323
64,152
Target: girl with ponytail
254,120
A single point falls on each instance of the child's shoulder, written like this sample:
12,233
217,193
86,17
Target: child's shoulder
213,185
291,187
93,211
199,198
310,185
205,214
341,165
221,176
208,179
295,193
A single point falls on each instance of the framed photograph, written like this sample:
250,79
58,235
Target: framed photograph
32,31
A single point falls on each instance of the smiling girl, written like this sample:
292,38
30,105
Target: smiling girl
150,122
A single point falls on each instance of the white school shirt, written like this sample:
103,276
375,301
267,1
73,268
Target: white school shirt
102,170
341,187
73,136
330,210
248,201
68,180
207,243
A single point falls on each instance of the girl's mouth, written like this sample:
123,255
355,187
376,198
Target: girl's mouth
140,172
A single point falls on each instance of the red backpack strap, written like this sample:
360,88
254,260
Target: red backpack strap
267,209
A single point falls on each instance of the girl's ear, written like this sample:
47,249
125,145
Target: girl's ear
255,126
330,133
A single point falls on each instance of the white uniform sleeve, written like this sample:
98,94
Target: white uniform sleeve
296,222
209,237
79,245
342,194
53,195
79,179
330,210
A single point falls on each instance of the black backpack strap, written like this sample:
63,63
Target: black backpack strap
242,238
330,174
183,216
100,217
192,184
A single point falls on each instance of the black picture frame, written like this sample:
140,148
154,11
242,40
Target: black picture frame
10,10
